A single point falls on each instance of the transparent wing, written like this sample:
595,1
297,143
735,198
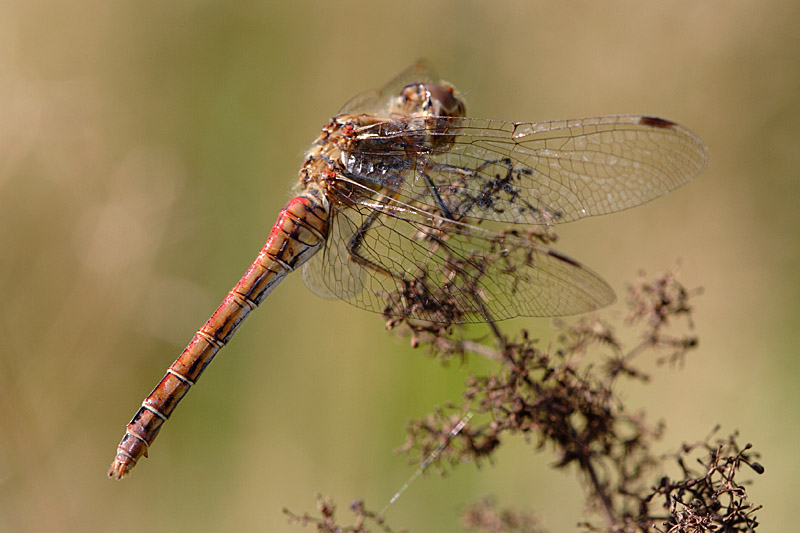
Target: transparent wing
402,261
530,172
377,101
331,274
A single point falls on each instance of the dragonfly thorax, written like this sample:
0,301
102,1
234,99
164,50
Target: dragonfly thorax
374,149
327,161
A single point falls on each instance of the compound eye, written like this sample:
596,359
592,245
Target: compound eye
432,100
445,102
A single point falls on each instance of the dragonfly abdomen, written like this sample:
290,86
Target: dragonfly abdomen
299,232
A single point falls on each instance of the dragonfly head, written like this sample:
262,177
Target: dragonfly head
430,99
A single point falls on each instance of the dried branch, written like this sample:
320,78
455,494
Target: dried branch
564,398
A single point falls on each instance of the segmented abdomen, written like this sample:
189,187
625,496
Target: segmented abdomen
299,232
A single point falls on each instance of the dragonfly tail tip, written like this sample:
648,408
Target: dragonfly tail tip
119,469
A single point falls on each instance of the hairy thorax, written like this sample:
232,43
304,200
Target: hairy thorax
359,153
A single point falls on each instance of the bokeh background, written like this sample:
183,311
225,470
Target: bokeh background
145,150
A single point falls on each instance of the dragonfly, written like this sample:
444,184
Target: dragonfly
407,207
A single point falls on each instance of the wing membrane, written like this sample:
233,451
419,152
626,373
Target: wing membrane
415,264
530,172
377,101
410,245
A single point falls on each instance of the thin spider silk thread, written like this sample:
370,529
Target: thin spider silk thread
432,457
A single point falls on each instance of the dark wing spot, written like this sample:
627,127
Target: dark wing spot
562,257
657,122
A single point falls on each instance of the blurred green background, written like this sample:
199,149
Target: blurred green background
145,150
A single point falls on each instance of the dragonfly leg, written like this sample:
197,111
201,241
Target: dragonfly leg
439,202
358,239
419,295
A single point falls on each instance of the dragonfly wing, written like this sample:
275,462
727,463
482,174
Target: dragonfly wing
330,273
532,172
414,264
378,101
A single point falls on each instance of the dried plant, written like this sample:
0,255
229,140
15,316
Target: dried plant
564,398
483,516
326,521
